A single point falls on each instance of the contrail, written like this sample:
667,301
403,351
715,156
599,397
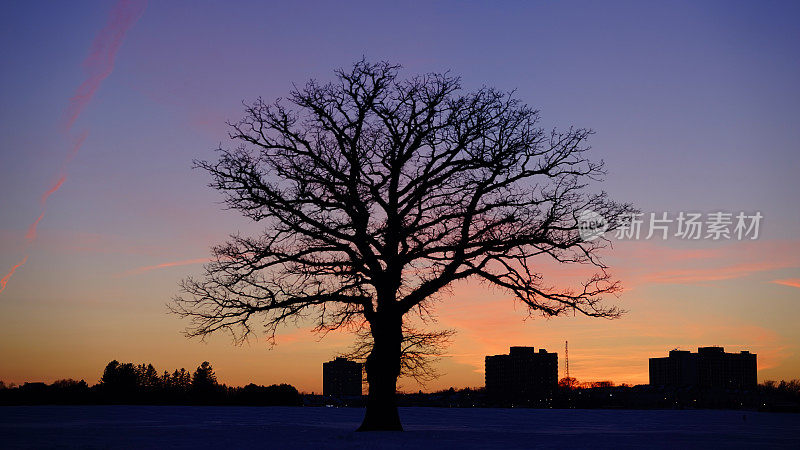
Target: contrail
31,234
74,150
99,65
100,61
5,279
56,187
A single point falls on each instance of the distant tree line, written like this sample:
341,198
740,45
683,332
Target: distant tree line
573,383
128,383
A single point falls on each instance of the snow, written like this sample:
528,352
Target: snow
288,427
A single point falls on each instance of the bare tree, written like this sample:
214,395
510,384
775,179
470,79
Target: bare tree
377,193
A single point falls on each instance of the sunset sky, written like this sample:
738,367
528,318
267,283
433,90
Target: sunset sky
696,108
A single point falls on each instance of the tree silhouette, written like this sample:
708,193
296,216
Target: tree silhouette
204,380
179,381
120,380
204,387
149,381
376,194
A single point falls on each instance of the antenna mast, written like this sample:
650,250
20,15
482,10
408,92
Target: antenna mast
566,356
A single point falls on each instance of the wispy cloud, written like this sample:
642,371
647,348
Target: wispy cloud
185,262
488,323
643,263
793,282
709,274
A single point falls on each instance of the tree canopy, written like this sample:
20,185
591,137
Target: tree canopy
377,193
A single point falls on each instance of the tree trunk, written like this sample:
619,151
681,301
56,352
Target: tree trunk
383,368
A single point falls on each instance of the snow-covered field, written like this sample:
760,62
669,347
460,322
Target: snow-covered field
320,428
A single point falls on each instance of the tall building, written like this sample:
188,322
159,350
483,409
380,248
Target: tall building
709,367
524,376
341,377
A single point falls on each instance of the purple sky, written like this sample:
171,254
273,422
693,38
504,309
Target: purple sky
695,105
